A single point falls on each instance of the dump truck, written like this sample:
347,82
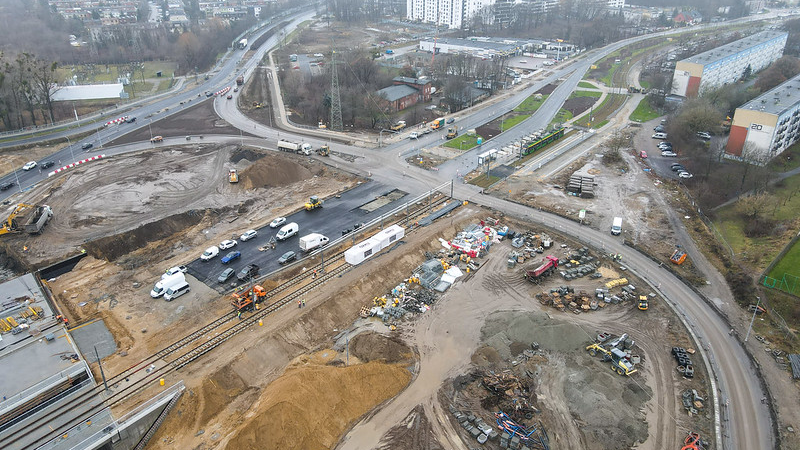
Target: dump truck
240,80
618,358
38,219
548,266
312,241
452,132
243,43
233,176
288,146
246,300
438,123
399,125
313,203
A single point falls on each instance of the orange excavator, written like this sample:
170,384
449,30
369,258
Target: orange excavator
693,442
246,300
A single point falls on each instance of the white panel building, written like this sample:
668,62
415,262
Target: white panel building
450,13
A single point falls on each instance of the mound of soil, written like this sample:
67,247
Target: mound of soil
274,171
112,247
245,153
578,105
310,407
377,347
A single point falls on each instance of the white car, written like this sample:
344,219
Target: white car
704,135
249,234
173,270
685,174
29,165
277,222
210,253
669,154
664,144
226,244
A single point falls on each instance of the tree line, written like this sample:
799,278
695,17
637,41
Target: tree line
26,94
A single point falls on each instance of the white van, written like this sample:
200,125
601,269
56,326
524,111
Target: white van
287,231
210,253
616,227
161,287
176,291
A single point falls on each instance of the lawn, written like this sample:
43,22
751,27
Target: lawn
463,142
788,160
586,84
790,263
512,121
562,116
645,84
610,75
530,104
644,111
107,74
595,94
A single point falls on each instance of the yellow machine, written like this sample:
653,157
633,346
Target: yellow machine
233,176
399,125
619,363
324,151
10,224
451,133
313,203
643,303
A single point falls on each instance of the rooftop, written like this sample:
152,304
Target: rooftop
410,80
733,48
396,92
504,46
778,99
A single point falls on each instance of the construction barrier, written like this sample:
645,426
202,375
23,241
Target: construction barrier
77,163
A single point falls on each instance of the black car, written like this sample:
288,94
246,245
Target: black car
659,129
130,119
6,186
678,168
226,275
47,164
249,271
450,120
286,257
87,146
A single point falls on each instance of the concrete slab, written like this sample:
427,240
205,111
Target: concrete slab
91,335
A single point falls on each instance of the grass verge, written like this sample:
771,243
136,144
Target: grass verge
512,121
586,84
644,111
463,142
530,104
483,181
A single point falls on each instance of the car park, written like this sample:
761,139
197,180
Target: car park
249,234
277,222
87,145
704,135
47,164
226,244
669,153
286,257
643,154
29,165
659,135
210,253
249,271
6,186
231,256
226,275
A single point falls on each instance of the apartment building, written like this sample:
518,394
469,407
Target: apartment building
767,125
726,64
449,13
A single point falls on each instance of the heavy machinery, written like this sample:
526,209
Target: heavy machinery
452,132
38,219
611,351
10,224
33,224
246,300
438,123
324,151
233,176
313,203
678,256
643,304
548,266
240,80
399,125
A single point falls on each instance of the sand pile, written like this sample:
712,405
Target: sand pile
274,171
310,407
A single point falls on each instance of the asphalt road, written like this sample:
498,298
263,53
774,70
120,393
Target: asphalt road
336,215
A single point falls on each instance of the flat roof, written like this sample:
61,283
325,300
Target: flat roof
480,44
733,48
778,99
87,92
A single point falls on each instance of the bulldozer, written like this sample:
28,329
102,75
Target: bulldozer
246,300
10,225
313,203
324,151
610,352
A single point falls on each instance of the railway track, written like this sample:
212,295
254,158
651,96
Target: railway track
197,342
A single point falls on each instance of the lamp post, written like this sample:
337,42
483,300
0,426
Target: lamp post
72,155
16,177
152,144
758,302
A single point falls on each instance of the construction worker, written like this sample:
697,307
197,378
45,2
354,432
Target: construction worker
239,315
314,275
304,303
299,304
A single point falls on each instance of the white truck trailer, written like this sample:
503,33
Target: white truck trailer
312,241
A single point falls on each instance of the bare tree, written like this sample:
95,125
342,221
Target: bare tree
43,76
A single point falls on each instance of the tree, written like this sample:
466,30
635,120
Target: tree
778,72
43,75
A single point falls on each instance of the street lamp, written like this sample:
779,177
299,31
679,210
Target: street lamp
151,132
755,310
70,149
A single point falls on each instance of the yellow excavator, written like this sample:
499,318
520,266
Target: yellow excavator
10,224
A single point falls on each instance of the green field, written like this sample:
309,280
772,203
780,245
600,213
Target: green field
512,121
595,94
586,84
530,104
644,111
789,264
562,116
463,142
645,84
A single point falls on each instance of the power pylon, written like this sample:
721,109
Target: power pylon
336,101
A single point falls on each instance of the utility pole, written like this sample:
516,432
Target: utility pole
336,101
753,319
102,374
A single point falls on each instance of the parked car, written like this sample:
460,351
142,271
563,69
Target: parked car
677,167
249,271
231,256
87,145
643,154
173,270
286,257
659,129
704,135
29,165
665,144
6,186
226,244
249,234
451,120
659,135
669,153
210,253
277,222
226,275
685,174
47,164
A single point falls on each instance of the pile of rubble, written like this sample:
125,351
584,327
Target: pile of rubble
692,401
564,296
512,394
475,426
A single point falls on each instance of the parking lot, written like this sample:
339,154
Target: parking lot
336,215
